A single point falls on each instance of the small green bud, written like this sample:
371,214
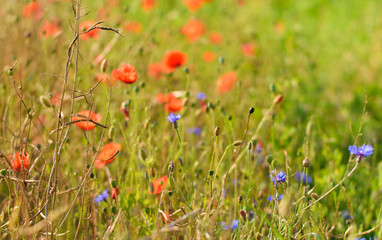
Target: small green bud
211,173
114,183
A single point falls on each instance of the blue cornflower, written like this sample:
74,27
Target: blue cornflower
280,177
201,96
235,224
303,177
195,130
362,151
101,197
345,214
273,197
172,118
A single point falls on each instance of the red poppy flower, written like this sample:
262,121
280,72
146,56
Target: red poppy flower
226,82
173,104
134,27
84,124
208,56
216,38
48,29
107,154
158,185
193,30
33,10
248,49
172,60
193,5
84,27
148,5
155,70
105,79
114,193
161,98
125,73
18,160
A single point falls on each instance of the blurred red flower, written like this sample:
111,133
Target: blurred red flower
216,38
126,73
172,60
158,185
148,5
248,49
48,29
33,10
85,26
226,82
134,27
208,56
84,124
193,5
193,30
107,154
171,103
155,70
18,160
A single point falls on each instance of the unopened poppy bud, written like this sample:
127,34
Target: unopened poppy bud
217,131
278,99
249,146
171,166
186,70
104,65
114,210
243,215
3,172
136,89
152,172
251,110
45,101
306,162
269,159
229,118
272,87
170,193
114,183
211,173
114,193
221,60
10,71
237,143
91,175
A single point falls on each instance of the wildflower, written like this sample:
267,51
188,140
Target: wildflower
235,224
85,26
303,177
48,29
362,151
195,130
107,154
126,73
248,49
101,197
114,193
273,197
134,27
193,30
81,120
172,118
148,5
280,177
173,104
155,70
158,185
33,10
193,5
208,56
345,215
215,38
226,82
172,60
201,96
18,160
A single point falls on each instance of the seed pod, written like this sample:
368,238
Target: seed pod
171,166
243,215
104,65
45,101
110,133
251,110
217,131
314,196
306,162
240,198
237,143
152,172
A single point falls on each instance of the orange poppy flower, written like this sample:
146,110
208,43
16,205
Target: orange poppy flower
48,29
158,185
105,79
172,60
107,154
208,56
33,10
173,104
134,27
155,70
126,73
193,30
216,38
148,5
248,49
17,161
84,124
84,27
193,5
226,82
161,98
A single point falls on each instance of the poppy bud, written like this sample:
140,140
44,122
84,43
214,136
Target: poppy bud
104,65
3,172
45,101
114,183
10,71
152,172
272,87
278,99
269,159
240,198
251,110
250,146
114,193
170,193
229,118
217,131
171,166
243,215
186,70
237,143
211,173
306,162
221,60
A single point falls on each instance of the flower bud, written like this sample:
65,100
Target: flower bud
306,162
171,166
278,99
243,215
217,131
114,193
45,101
237,143
104,64
251,110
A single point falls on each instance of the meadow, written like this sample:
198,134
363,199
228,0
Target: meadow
190,119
